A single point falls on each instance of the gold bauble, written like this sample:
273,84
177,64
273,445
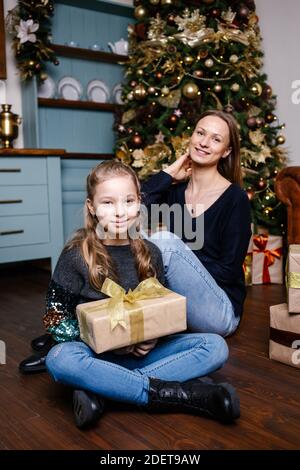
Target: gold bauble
130,96
256,89
218,88
188,60
140,12
154,2
235,87
139,92
165,90
167,2
233,59
267,210
280,139
209,63
140,72
190,90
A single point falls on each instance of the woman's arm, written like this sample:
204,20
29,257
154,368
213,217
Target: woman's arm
235,236
62,298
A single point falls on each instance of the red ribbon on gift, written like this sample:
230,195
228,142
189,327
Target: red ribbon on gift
261,242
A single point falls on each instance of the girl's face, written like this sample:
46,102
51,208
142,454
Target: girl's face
209,141
116,205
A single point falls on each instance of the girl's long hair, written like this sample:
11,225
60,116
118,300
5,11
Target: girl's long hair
96,256
229,167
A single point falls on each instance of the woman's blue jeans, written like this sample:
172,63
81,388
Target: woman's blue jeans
209,309
179,357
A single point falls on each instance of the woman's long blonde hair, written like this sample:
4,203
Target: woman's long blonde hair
96,256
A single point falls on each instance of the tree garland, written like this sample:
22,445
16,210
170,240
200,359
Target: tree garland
30,25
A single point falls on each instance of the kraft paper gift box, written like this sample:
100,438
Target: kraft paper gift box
267,259
284,336
149,311
293,279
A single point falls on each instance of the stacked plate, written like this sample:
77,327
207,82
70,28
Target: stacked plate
97,91
69,88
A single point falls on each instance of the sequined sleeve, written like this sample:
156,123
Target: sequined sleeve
60,319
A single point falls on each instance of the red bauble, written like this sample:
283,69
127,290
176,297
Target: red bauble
136,140
261,183
158,76
250,193
198,73
172,120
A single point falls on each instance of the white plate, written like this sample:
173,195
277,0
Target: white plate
69,88
97,91
47,88
117,94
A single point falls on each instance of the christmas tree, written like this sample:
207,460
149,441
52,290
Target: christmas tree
189,56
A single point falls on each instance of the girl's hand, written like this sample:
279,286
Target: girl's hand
181,169
141,349
126,350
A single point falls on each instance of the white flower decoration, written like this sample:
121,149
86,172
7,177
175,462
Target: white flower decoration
26,29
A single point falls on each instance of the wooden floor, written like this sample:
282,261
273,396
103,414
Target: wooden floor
35,413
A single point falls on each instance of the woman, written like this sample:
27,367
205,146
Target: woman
210,276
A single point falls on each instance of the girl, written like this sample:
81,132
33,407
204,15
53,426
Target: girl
154,374
210,276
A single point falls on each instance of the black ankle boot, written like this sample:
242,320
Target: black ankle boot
43,343
87,408
218,401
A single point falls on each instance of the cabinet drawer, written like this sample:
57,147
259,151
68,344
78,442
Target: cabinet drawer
24,230
23,200
16,171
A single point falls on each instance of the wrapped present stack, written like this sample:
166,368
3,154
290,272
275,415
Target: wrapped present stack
149,311
285,318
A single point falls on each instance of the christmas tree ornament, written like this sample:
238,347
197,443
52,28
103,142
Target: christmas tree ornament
140,12
261,183
133,83
203,53
218,88
268,211
171,19
190,90
140,72
208,2
151,90
198,73
256,89
270,117
188,59
139,92
167,2
209,63
260,122
154,2
233,59
165,90
251,122
215,13
158,76
280,139
136,140
228,108
267,92
173,119
235,87
250,193
243,12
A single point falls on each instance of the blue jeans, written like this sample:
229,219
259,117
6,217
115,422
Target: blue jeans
125,378
209,309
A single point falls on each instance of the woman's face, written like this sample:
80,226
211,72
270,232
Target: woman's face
116,205
209,141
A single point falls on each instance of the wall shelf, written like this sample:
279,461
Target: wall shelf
88,54
90,156
59,103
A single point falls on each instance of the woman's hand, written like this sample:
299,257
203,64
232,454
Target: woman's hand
141,349
181,169
126,350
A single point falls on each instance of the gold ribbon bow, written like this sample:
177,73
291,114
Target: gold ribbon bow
120,301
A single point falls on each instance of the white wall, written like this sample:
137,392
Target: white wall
279,23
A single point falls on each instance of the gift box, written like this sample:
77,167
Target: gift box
149,311
247,265
267,260
293,279
284,336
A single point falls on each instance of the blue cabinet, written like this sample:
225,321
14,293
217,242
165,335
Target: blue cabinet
30,208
